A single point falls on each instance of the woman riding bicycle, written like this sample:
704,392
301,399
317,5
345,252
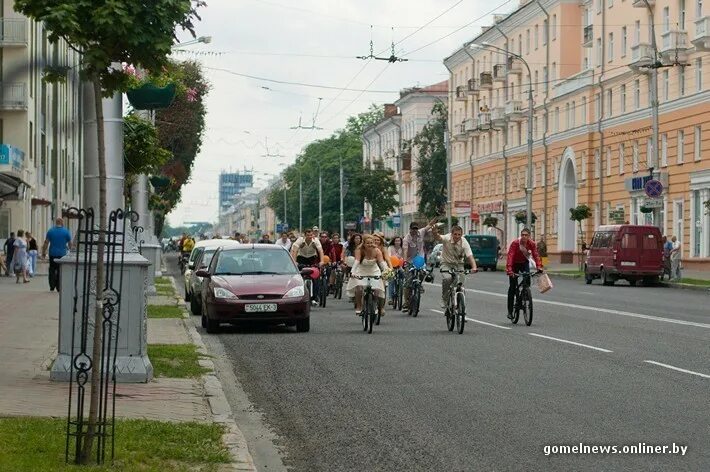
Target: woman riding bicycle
519,254
368,263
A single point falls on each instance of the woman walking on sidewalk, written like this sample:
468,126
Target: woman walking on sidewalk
32,252
19,257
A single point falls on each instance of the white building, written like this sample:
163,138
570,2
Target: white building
40,127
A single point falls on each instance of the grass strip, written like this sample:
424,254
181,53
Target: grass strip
165,290
705,283
178,361
165,311
163,280
37,444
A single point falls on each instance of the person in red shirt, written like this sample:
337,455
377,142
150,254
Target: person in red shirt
335,254
519,254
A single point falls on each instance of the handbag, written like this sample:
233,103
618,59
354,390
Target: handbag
544,284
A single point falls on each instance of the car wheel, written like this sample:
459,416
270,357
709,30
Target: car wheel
187,295
195,307
203,321
587,276
304,325
212,326
494,268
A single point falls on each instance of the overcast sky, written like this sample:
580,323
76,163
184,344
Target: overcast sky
311,42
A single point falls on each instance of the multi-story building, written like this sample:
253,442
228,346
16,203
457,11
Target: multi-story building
590,66
40,127
390,141
232,184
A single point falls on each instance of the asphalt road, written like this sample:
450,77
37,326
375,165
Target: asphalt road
599,366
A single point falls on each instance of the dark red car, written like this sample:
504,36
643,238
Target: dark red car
255,282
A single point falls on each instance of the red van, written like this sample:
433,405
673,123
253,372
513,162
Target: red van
631,252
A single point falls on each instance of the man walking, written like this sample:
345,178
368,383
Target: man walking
9,249
58,240
675,259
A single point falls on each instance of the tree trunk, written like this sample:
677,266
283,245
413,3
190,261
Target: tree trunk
100,268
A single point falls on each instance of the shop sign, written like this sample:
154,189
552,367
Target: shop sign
462,207
495,206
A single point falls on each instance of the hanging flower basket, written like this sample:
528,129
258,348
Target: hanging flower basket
644,209
151,97
159,182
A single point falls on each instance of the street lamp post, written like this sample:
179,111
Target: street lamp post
342,223
300,203
528,184
320,199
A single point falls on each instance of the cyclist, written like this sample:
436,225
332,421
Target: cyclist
519,254
454,250
307,251
336,258
324,240
368,262
413,245
188,245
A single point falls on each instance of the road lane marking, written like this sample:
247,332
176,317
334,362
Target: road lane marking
476,321
588,293
570,342
602,310
679,369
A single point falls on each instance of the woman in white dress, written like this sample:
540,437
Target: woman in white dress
368,262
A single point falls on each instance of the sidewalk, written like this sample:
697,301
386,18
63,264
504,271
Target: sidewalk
28,345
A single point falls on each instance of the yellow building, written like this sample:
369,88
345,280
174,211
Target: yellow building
592,124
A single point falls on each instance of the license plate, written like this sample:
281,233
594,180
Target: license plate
260,307
628,263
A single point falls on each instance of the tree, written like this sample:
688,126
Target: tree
579,214
431,164
378,187
105,32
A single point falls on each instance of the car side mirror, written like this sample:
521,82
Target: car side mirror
203,273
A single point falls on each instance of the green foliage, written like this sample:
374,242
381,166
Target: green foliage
431,164
142,153
521,217
177,361
326,153
378,187
581,213
165,311
706,203
490,221
114,31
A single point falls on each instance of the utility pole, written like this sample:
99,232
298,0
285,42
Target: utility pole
320,199
654,105
342,223
285,206
300,204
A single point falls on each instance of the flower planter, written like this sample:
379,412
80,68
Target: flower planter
151,97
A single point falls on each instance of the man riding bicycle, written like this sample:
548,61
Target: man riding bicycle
413,245
519,254
454,250
307,251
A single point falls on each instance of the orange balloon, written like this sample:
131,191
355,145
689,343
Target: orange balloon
326,260
396,261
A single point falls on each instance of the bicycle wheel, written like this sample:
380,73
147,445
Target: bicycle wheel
395,291
371,312
460,311
527,307
400,293
323,291
364,314
516,309
450,317
414,302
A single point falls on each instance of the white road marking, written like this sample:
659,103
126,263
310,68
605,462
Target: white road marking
588,293
679,369
488,324
570,342
437,311
538,300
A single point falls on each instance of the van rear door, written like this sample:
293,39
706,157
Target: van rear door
651,252
629,256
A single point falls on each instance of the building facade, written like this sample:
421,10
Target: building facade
593,102
41,158
390,141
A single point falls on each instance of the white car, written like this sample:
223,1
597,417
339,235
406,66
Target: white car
200,257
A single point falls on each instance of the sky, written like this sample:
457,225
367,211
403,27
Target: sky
312,42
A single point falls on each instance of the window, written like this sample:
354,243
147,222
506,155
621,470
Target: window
649,151
650,241
544,32
622,157
568,116
536,84
556,120
543,174
600,54
666,19
610,3
537,37
666,84
681,81
608,162
544,74
635,158
629,241
664,150
602,240
622,99
573,115
610,50
698,9
527,42
637,94
598,5
623,41
637,32
597,164
520,45
699,75
681,146
698,143
597,106
584,110
609,103
553,73
554,27
583,173
681,14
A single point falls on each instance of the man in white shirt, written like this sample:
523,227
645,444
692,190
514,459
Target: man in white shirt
307,250
283,241
454,250
675,259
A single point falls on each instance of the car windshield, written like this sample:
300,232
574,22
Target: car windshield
254,261
207,257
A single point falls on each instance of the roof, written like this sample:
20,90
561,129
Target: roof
216,243
442,86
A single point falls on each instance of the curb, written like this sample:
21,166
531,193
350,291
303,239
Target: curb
697,288
233,438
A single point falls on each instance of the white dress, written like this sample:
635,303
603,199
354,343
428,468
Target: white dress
368,267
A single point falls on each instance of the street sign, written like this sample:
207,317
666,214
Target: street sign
653,188
462,207
350,225
617,216
396,220
279,227
653,203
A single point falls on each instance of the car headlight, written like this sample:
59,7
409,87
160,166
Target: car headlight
295,292
220,292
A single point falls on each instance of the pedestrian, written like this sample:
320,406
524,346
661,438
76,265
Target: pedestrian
19,257
33,250
675,259
9,248
667,248
265,239
58,240
284,241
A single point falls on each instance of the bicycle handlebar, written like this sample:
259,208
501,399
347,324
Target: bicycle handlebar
452,272
531,274
362,277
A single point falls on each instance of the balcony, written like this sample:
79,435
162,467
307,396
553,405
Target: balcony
485,81
471,126
514,66
13,32
641,56
588,38
499,72
701,40
472,87
514,110
674,46
642,3
574,83
498,117
460,130
13,96
484,121
460,93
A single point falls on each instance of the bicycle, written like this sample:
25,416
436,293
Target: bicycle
416,290
456,305
523,298
323,286
398,291
370,314
339,280
307,281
